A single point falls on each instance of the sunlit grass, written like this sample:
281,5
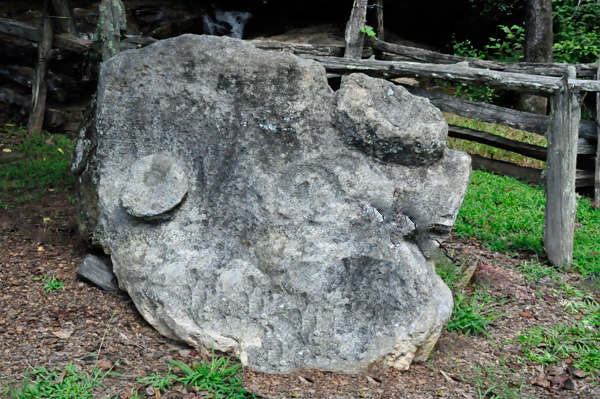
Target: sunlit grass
492,152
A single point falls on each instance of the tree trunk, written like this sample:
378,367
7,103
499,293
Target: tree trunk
538,47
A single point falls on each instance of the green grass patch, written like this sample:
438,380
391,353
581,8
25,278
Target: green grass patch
70,383
577,339
50,283
220,377
472,315
492,152
44,163
508,215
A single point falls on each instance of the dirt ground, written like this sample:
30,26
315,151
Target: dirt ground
89,327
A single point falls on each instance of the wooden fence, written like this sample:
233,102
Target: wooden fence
572,143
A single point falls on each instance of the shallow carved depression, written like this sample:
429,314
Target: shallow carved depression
273,234
155,186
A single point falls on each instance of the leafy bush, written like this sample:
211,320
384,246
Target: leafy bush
576,30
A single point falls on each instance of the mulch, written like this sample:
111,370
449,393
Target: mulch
88,327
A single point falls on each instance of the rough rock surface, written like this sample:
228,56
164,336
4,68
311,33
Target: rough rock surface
294,246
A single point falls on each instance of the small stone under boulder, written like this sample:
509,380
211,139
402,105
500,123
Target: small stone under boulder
248,207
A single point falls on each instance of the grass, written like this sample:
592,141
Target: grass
51,283
492,152
508,215
578,339
70,383
45,163
472,315
220,377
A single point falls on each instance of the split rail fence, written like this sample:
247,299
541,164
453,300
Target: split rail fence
572,143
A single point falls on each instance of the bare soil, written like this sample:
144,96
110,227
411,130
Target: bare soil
89,327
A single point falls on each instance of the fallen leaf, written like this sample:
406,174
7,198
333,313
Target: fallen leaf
104,364
303,380
526,313
188,395
150,390
62,334
371,380
559,380
576,372
513,365
541,381
578,317
61,377
570,384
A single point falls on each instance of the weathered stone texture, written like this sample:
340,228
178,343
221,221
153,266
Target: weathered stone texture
294,246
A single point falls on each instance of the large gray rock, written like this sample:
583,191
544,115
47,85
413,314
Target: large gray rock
294,246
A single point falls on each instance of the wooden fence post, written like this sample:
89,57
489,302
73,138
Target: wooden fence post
40,84
380,28
354,36
597,174
65,20
559,222
112,22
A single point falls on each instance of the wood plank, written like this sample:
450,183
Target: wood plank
112,22
583,178
502,168
418,54
305,49
32,33
38,98
11,97
490,113
19,29
380,25
65,20
354,37
559,222
541,85
584,147
528,150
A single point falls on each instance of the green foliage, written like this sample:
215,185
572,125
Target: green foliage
578,339
472,315
510,48
50,283
162,383
497,382
535,271
446,269
45,163
576,30
69,383
368,31
493,8
219,377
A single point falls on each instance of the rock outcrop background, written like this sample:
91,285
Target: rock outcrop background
248,207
